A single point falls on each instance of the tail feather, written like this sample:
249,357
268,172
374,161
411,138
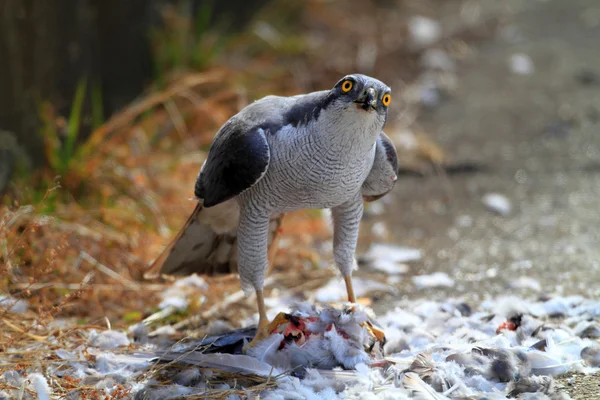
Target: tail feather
207,243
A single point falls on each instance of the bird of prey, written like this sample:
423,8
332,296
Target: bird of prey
324,149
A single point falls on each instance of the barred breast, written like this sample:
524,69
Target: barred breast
308,170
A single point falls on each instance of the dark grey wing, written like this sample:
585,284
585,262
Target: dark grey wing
238,158
384,173
390,151
239,155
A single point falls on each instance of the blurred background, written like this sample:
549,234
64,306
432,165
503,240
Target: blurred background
107,109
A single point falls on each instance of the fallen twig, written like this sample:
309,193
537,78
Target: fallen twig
107,271
23,331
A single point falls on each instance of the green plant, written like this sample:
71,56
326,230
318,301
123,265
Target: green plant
185,41
61,137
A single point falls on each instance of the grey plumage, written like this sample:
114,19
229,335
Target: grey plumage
383,175
280,154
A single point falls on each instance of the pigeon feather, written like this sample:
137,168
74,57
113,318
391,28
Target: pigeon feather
419,389
234,363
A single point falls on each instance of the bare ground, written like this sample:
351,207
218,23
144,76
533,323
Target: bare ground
534,138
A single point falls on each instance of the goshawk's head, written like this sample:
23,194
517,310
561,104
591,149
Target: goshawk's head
363,93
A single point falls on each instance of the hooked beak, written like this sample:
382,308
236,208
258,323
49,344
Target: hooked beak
368,99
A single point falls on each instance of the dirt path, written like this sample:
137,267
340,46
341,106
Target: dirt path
538,137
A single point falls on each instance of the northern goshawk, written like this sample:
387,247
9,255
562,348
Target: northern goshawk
325,149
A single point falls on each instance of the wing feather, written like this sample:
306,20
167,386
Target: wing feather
382,178
238,158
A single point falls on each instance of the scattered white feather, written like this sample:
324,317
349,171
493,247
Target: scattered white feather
178,295
419,389
188,377
466,357
391,268
525,282
343,350
544,363
391,253
66,355
108,339
424,31
464,221
497,203
13,305
390,259
12,378
178,302
587,329
109,363
401,319
509,306
235,363
167,392
192,281
437,279
521,64
40,385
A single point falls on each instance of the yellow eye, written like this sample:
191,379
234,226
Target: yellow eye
387,99
346,86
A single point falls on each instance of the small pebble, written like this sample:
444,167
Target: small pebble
587,77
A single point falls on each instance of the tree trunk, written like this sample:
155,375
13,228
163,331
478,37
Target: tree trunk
47,46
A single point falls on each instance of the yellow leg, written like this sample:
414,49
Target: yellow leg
350,289
265,328
262,312
373,330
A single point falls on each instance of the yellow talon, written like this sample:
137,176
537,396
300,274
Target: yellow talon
375,332
266,328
